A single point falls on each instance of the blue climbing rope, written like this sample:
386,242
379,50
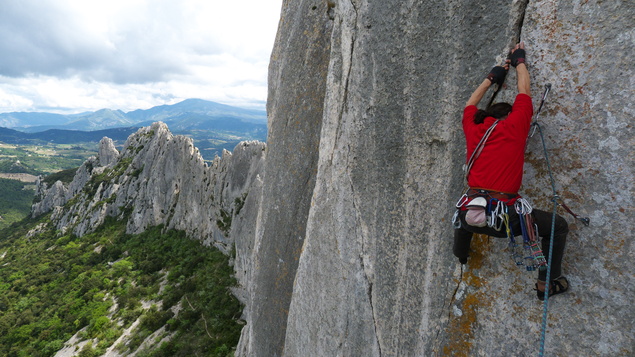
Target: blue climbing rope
555,199
545,305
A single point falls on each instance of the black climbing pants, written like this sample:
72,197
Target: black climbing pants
463,237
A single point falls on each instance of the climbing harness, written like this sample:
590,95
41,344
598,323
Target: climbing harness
528,254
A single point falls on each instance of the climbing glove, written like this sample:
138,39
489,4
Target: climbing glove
497,75
517,57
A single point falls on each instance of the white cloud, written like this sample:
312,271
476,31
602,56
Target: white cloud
129,54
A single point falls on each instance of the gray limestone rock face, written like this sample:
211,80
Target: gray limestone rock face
297,77
108,154
82,176
376,276
48,197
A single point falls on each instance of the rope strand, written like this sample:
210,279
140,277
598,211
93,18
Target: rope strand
553,228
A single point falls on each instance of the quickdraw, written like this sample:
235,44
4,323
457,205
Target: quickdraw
534,257
498,215
456,222
585,220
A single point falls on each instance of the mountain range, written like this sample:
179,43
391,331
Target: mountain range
59,136
214,127
190,114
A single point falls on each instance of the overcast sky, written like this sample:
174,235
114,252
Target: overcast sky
77,55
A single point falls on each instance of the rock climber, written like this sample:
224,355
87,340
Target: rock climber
495,174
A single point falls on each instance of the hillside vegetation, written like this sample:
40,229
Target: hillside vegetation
113,291
15,201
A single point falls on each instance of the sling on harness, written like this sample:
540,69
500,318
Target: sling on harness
479,148
531,241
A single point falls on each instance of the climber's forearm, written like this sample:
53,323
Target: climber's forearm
523,79
478,94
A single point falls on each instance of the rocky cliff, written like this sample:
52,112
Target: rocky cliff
295,108
375,275
159,178
342,234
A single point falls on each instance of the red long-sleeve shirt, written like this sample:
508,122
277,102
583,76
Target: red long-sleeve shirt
499,167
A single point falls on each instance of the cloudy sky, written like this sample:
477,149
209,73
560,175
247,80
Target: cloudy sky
68,56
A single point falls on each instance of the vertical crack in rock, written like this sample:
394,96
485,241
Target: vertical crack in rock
363,264
451,303
517,19
453,299
347,80
350,59
369,292
521,19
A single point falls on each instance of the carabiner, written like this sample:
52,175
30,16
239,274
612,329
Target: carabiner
463,200
522,206
456,222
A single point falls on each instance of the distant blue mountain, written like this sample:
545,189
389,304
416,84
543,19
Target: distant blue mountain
19,119
214,127
203,108
58,136
190,114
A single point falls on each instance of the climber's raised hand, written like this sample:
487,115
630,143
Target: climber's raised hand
517,55
497,74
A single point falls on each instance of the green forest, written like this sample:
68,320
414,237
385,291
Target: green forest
111,290
15,201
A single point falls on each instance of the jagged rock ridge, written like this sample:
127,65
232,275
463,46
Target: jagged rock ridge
159,178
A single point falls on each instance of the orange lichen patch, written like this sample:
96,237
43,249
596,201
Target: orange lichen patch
480,246
460,329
